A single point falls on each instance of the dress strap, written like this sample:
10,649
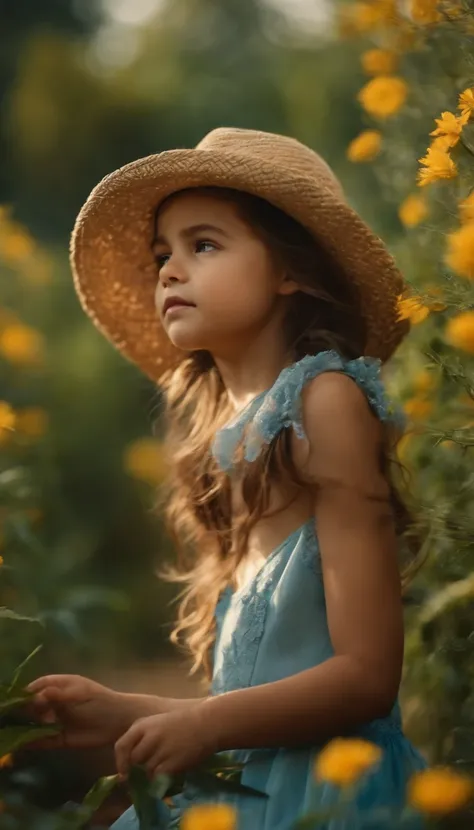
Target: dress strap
280,406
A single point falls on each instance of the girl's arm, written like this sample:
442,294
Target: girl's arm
142,706
362,588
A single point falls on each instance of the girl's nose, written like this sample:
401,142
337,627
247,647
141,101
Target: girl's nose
172,272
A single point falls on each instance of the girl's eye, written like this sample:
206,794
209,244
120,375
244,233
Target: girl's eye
202,242
162,259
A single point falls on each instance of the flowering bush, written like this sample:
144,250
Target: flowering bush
420,103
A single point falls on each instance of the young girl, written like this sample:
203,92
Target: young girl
237,276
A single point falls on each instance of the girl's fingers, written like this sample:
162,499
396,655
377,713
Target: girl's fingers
123,748
40,708
143,750
43,682
53,694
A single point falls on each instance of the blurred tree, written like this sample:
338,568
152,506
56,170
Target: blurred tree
199,64
20,20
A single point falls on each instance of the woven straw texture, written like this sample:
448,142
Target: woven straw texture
114,270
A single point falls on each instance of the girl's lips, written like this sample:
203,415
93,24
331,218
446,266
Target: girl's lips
176,307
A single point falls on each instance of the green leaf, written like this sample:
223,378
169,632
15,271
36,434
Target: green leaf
13,737
143,800
9,614
96,796
160,786
19,669
17,699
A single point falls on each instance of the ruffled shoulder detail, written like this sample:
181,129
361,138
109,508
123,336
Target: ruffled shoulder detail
280,406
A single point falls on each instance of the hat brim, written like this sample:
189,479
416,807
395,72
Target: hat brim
114,269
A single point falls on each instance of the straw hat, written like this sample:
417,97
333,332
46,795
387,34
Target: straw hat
114,269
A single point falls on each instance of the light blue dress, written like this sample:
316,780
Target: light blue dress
276,626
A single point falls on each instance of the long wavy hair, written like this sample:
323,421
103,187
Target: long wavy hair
210,540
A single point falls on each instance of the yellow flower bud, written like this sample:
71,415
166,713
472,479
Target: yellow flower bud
424,381
383,96
413,210
144,459
459,331
425,11
209,817
365,146
460,252
439,791
344,760
379,62
418,408
21,344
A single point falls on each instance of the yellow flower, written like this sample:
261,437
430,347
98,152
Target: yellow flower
32,421
460,252
366,16
365,147
441,142
21,344
144,459
16,245
6,760
450,126
439,791
410,308
209,817
424,381
466,209
379,62
383,96
7,416
459,331
438,165
466,102
425,11
413,210
344,760
418,408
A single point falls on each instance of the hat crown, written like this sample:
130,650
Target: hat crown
283,151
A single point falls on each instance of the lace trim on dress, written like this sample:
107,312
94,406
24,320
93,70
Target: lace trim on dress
280,406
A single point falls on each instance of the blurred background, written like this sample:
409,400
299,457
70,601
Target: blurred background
85,87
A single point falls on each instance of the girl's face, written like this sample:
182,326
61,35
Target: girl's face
212,261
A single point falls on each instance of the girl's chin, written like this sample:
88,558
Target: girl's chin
187,343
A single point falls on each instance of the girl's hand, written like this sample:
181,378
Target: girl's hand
88,714
168,743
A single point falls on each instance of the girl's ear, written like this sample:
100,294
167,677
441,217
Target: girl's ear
288,286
